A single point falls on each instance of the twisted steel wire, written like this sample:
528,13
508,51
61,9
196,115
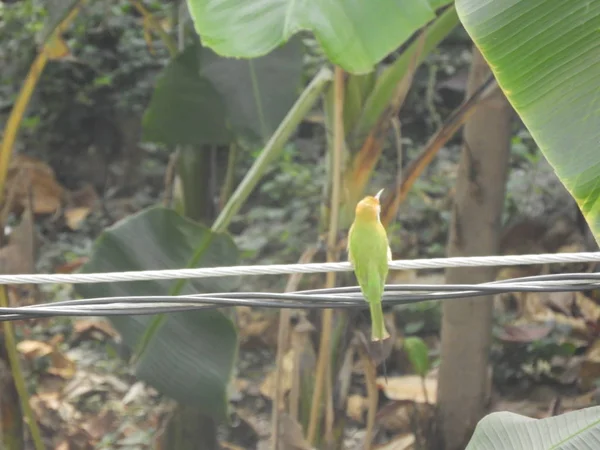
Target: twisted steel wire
279,269
343,297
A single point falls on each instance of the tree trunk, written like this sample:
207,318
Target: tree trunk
474,231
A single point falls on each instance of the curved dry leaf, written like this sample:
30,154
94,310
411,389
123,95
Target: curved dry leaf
19,255
409,387
27,174
267,388
524,333
404,442
34,349
74,217
356,407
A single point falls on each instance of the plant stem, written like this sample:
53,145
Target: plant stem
302,106
372,395
459,116
6,147
16,115
379,99
164,36
229,175
17,373
327,319
282,341
424,387
273,147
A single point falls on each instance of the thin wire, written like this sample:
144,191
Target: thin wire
278,269
344,297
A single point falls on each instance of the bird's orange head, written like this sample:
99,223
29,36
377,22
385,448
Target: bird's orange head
369,208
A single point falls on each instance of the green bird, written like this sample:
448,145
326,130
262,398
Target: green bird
369,253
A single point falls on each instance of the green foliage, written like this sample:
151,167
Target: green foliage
509,431
387,81
285,210
191,355
516,360
203,98
19,22
258,92
418,354
541,54
84,103
354,36
186,109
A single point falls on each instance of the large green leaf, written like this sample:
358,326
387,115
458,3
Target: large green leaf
202,97
185,108
191,356
258,92
508,431
545,55
354,35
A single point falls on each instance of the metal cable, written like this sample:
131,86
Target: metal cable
343,297
278,269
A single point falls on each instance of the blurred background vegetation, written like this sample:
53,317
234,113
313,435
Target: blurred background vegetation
132,146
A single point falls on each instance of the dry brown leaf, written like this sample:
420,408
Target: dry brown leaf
75,216
80,204
27,173
524,333
85,383
356,407
137,391
267,388
34,349
241,384
534,307
229,446
86,197
51,400
62,445
91,326
403,442
61,366
409,387
256,326
575,310
581,401
20,253
98,426
71,266
51,411
588,308
398,417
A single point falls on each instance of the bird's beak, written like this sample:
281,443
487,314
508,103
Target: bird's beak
378,195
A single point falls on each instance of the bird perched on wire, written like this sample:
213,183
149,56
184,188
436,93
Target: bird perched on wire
369,253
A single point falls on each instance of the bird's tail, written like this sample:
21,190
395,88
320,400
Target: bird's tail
379,332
